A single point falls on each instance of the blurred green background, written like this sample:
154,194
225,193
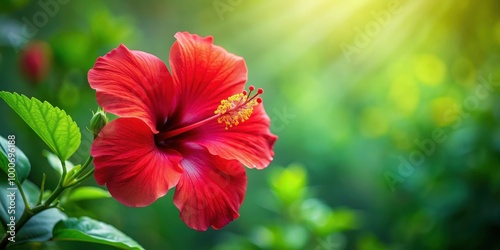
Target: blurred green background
387,112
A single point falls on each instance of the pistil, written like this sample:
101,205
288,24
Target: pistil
232,111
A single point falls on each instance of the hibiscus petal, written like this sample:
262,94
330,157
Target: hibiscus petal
134,84
210,191
206,74
127,160
250,142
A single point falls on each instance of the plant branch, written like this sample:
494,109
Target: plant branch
47,204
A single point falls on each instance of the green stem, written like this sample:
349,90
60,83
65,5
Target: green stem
47,204
91,172
24,218
27,214
79,180
27,205
42,189
64,172
85,165
54,195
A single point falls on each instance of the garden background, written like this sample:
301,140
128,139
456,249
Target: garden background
387,113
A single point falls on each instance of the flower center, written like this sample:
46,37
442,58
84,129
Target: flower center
231,111
238,108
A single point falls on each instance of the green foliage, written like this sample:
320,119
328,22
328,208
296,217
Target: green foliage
34,222
323,220
55,163
71,48
12,5
21,163
89,230
109,29
51,124
289,183
39,227
301,221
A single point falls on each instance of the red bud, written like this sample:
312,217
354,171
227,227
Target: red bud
36,61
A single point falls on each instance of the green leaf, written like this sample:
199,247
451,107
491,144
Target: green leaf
39,227
50,123
22,164
88,193
55,163
90,230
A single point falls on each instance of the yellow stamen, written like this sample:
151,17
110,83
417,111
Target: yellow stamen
236,109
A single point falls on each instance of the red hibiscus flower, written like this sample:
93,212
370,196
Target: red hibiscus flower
193,128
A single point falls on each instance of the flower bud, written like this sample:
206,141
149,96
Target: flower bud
36,61
97,122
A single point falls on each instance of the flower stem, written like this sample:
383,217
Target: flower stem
86,164
77,180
